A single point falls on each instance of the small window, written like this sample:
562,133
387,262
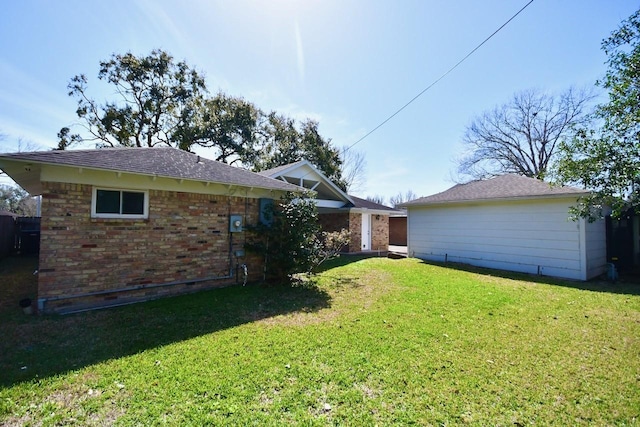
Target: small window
119,204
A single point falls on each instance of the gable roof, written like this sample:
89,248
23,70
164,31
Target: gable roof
162,162
350,201
503,187
279,170
294,170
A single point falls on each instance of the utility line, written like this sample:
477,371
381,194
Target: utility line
439,78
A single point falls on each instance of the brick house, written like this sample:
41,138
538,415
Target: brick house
126,225
367,221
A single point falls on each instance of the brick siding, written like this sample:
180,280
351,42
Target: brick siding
380,232
353,222
185,238
355,227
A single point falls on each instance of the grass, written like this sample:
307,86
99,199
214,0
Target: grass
375,341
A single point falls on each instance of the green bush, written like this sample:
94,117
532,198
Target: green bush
293,242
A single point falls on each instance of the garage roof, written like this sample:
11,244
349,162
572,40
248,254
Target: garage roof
498,188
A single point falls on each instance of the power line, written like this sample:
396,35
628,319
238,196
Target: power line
440,78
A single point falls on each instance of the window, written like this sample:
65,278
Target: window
119,203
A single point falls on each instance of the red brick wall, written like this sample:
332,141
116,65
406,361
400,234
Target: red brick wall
331,222
334,221
355,227
353,222
185,238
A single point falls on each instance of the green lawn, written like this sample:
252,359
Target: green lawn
377,341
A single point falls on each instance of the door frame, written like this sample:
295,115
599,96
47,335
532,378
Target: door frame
365,232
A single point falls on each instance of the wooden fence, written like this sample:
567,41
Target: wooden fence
19,236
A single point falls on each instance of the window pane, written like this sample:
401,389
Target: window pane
132,203
107,201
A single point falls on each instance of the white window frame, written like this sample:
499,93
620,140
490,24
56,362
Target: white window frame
94,199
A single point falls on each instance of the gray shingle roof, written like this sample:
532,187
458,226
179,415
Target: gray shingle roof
163,162
367,204
501,187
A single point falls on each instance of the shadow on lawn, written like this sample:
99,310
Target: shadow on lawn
38,347
627,285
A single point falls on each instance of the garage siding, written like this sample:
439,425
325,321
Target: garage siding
527,236
596,248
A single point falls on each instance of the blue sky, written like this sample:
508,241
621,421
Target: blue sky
348,64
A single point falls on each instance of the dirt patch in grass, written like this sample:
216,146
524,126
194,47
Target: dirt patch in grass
75,403
348,294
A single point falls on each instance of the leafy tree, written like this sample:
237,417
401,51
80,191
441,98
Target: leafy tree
606,159
289,241
283,142
522,135
279,142
16,200
228,125
161,102
156,97
321,153
293,242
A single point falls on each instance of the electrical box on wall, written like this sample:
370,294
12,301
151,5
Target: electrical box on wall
235,223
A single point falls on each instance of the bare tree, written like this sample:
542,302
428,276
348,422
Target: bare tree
521,136
22,146
25,146
376,199
353,169
401,198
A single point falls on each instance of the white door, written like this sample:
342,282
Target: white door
366,232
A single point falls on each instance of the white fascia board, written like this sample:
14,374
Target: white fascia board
372,211
327,181
143,181
333,204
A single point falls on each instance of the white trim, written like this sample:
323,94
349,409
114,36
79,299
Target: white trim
95,214
334,188
335,204
371,211
365,232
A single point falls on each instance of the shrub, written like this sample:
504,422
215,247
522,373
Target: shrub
293,242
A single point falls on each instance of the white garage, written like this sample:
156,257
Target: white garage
509,223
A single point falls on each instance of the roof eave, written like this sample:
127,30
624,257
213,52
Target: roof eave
18,160
495,199
371,211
